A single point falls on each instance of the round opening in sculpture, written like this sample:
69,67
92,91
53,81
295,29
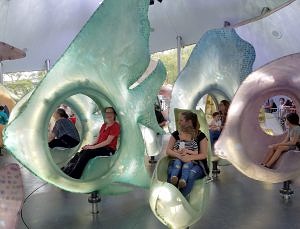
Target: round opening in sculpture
272,114
208,105
73,124
64,128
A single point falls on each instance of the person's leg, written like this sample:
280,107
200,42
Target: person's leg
71,164
269,155
186,168
280,150
195,173
104,151
84,157
171,167
176,167
211,137
69,141
214,136
56,143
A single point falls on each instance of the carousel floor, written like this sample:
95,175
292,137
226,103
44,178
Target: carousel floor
235,201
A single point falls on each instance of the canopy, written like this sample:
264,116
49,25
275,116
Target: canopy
44,29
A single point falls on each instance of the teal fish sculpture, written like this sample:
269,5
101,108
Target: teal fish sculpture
109,55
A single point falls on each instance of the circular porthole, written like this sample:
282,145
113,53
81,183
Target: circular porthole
272,114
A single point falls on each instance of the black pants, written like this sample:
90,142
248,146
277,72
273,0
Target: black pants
85,156
65,141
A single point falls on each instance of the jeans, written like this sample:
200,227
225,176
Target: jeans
214,136
181,167
194,173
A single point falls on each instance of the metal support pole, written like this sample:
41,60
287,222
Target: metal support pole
94,199
179,46
215,171
1,72
286,190
47,63
152,160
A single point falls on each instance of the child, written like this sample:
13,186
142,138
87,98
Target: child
215,124
186,144
291,141
3,116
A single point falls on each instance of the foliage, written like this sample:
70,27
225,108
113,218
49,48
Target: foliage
20,83
169,58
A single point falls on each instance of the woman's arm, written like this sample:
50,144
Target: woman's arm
191,152
88,146
285,142
170,151
200,156
101,144
288,142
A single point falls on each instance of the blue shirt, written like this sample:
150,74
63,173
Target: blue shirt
64,126
3,118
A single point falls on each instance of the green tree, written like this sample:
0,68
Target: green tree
20,83
169,58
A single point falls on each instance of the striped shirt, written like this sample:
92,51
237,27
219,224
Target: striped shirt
190,145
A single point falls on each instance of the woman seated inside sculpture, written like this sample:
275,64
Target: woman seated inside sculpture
64,133
199,169
187,143
289,143
215,133
105,145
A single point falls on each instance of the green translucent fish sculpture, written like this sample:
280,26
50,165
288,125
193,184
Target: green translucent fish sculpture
108,55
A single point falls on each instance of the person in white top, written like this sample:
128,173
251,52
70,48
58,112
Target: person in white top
282,113
215,123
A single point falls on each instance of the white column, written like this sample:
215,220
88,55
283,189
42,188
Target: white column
179,45
47,63
1,72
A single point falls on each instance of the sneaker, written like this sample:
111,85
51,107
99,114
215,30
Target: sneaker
181,183
209,179
174,180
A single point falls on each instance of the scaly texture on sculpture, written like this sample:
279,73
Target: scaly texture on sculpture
109,54
220,61
242,141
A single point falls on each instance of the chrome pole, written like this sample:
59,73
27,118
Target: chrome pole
179,45
1,72
47,63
